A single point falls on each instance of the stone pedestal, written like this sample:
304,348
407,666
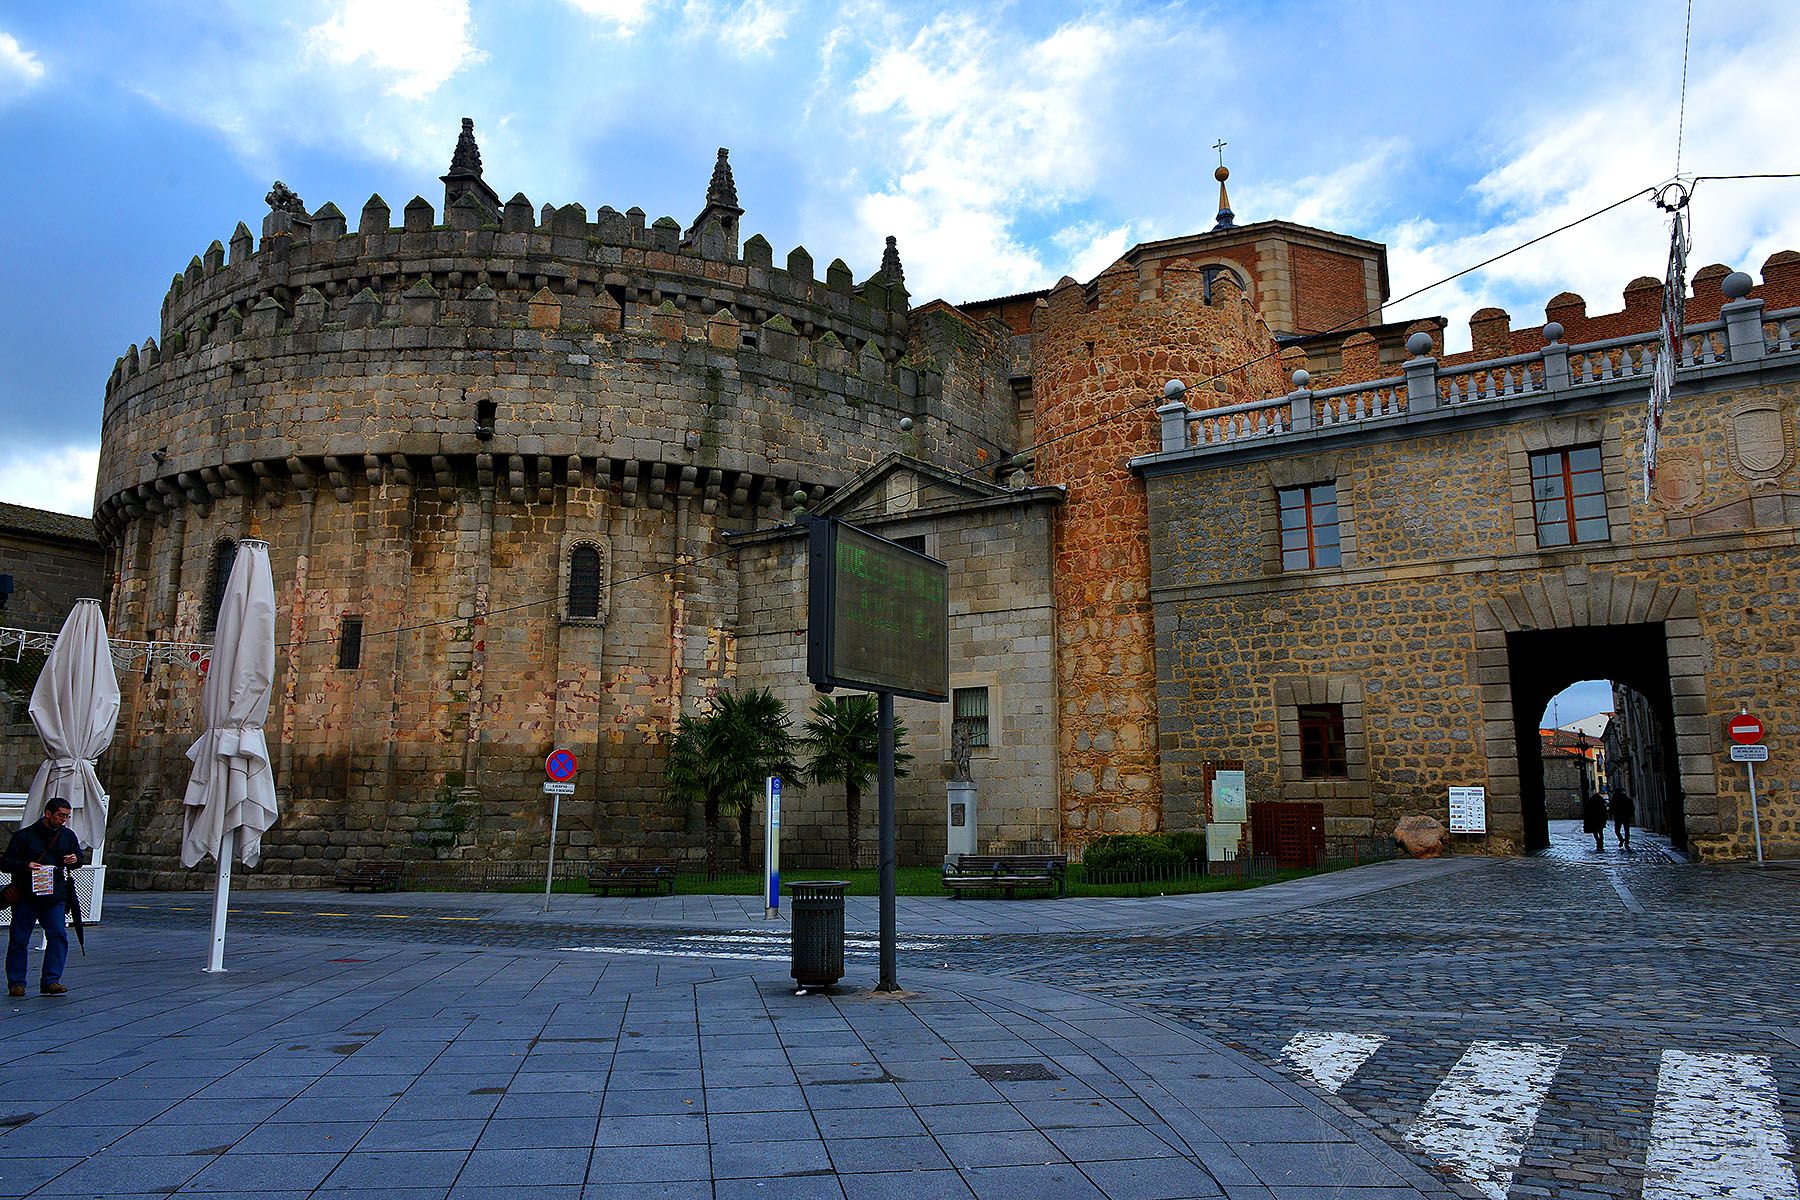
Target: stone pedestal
959,817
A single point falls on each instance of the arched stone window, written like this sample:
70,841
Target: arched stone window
224,555
584,581
1210,275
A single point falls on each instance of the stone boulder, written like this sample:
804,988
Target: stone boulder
1420,836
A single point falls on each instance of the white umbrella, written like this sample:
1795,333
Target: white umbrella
230,797
75,707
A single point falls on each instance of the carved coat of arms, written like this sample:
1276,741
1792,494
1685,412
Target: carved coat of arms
1680,479
1760,440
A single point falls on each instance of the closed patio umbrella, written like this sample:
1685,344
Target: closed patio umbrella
230,800
75,707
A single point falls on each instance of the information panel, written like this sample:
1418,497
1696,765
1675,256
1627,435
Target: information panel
1468,810
1228,798
878,616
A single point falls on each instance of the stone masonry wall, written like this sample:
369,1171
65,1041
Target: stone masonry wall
1435,536
1098,372
424,421
998,553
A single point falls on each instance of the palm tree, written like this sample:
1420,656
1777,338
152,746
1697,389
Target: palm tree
722,758
843,739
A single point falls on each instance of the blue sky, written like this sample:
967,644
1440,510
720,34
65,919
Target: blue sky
1004,145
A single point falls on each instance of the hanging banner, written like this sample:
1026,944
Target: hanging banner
1668,345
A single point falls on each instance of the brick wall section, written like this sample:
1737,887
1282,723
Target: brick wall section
1438,542
1329,290
1098,376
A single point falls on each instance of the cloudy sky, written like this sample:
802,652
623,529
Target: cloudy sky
1004,145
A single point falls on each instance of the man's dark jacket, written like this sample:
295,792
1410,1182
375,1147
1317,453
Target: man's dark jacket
37,843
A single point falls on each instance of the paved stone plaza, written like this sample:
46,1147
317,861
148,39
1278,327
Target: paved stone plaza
1311,1040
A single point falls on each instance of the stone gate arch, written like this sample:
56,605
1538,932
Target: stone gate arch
1575,598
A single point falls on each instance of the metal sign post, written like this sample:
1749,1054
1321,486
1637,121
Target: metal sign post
885,803
772,848
1746,737
560,767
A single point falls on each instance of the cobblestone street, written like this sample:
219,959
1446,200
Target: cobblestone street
1615,961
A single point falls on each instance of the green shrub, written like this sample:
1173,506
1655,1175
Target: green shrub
1131,851
1190,845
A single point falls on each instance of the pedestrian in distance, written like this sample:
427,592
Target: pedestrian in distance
1593,818
1623,814
38,859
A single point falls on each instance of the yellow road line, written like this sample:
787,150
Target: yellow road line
392,916
459,918
331,914
280,912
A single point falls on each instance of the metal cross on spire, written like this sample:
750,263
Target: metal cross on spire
1220,147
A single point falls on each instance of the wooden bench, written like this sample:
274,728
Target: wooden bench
376,874
637,875
1005,872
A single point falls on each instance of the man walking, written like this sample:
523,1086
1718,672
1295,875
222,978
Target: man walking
1623,813
38,859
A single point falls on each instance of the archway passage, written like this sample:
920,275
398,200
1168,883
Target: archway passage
1542,662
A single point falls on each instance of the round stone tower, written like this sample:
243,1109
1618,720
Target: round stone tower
1100,357
493,453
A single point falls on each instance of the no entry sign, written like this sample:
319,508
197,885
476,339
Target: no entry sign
1745,729
560,766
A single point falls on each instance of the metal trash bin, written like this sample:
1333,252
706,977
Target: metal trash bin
818,932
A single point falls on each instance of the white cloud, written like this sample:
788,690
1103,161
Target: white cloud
625,16
59,478
741,27
744,28
1594,149
416,44
20,70
983,146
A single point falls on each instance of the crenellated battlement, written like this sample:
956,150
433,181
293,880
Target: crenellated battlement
492,264
1363,356
498,345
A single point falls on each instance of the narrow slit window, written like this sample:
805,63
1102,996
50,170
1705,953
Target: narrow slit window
224,558
350,637
584,583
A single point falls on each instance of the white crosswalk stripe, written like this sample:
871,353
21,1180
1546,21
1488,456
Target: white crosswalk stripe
1327,1058
1479,1119
1717,1131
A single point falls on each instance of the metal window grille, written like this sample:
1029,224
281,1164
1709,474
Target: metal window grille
584,583
1568,496
913,542
970,706
1322,742
1309,526
350,633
